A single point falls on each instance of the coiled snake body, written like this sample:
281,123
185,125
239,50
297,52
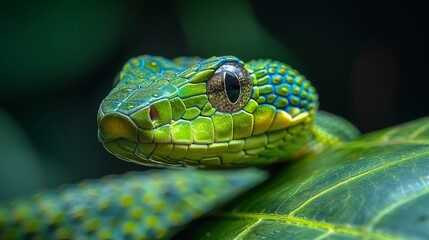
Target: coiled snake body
218,112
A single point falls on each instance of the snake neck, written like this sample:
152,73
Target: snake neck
330,131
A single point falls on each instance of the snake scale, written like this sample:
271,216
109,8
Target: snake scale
218,112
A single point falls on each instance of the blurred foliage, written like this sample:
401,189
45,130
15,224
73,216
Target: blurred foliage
20,165
53,54
58,59
47,45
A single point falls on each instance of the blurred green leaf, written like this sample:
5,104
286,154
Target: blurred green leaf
49,44
375,187
21,170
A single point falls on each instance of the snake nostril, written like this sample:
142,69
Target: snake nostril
114,126
153,114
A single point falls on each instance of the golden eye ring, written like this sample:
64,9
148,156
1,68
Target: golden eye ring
229,88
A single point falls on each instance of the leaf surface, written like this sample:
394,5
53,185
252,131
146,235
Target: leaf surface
375,187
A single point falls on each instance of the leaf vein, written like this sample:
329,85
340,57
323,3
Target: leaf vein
391,207
297,189
390,142
332,228
324,235
419,130
247,230
354,178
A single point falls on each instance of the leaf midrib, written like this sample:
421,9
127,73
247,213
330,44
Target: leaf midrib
287,219
382,143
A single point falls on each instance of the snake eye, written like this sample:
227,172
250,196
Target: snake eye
229,88
232,87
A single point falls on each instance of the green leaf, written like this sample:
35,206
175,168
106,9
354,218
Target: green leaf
375,188
48,45
21,168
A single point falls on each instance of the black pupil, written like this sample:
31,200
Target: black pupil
232,86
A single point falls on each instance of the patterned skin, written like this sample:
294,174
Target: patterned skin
140,205
213,113
177,113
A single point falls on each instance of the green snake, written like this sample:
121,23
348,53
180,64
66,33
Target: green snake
215,112
218,112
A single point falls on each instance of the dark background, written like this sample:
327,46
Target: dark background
367,60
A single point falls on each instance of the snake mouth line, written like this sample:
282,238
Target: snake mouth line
255,150
174,144
160,154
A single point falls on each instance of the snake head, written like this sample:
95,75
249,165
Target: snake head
215,112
